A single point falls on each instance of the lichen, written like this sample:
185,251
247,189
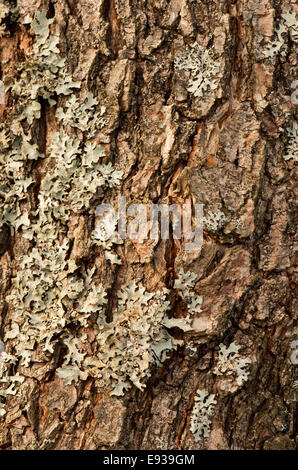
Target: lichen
7,383
202,413
53,300
185,284
214,220
106,236
230,363
135,340
201,66
287,26
82,116
46,280
292,145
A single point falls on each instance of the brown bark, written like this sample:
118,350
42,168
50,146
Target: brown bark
224,150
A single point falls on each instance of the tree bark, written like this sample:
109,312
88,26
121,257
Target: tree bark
225,149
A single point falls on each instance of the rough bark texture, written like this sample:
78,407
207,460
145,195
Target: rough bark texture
224,149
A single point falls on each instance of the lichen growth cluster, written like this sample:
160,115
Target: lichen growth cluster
230,363
292,145
46,277
185,284
287,26
201,66
7,382
54,302
42,76
214,220
106,236
202,413
131,344
46,280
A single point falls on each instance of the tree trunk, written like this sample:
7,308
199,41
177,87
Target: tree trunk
195,104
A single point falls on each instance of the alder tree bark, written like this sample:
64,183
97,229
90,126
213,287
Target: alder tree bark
225,149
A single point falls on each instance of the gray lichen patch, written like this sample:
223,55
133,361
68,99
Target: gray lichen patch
185,285
128,347
287,27
292,145
231,363
214,220
45,278
54,300
201,66
202,413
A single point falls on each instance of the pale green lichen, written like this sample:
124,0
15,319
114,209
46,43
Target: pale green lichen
46,280
214,220
287,26
230,363
202,413
7,382
128,347
14,179
201,66
45,71
185,284
41,76
106,236
82,116
292,146
53,300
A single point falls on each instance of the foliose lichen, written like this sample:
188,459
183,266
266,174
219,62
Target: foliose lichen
185,285
214,220
230,363
202,413
46,280
202,67
106,236
135,340
55,301
287,26
292,146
